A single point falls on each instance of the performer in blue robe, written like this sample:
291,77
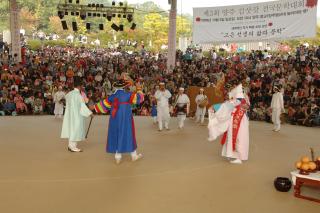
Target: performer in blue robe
121,132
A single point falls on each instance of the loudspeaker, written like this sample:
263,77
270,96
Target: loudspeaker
115,27
133,27
74,26
129,18
121,27
64,25
88,26
101,27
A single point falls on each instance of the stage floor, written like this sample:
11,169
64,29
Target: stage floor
181,171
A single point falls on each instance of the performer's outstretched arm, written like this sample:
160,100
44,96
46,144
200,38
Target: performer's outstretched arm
137,97
103,106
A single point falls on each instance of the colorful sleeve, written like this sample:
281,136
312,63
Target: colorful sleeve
137,98
103,106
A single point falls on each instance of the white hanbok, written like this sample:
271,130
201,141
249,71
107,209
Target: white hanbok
277,106
58,106
219,121
201,112
241,150
182,101
242,145
73,126
163,111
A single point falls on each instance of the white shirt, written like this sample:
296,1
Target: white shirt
200,98
277,101
58,96
162,98
183,99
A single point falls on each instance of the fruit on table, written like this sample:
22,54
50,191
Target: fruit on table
298,165
305,166
305,160
312,165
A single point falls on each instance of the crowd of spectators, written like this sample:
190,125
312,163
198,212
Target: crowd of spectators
29,88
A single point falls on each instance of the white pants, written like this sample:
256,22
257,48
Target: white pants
163,117
276,113
200,113
154,118
58,109
73,145
118,156
166,124
181,119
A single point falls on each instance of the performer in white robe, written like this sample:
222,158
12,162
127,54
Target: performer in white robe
277,107
73,126
182,107
236,140
163,114
201,111
57,98
219,119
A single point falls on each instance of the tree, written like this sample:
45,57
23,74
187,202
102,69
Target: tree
28,21
156,26
184,27
55,26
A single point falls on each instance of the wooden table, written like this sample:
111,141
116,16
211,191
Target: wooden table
312,180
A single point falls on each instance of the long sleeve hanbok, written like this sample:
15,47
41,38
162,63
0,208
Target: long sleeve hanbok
121,132
219,119
73,126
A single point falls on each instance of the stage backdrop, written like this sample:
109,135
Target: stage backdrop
285,19
214,95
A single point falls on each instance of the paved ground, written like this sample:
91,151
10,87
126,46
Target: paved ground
181,172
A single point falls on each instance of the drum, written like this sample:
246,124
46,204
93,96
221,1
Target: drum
204,103
181,109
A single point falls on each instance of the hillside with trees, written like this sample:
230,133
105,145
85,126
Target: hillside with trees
152,22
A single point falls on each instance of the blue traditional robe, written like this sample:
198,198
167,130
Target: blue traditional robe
121,132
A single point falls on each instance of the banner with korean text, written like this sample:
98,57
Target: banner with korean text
275,20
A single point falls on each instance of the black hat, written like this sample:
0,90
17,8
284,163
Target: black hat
120,84
228,86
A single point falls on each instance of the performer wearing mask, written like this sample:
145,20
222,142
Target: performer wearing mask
73,126
182,107
121,131
163,113
277,107
58,100
201,101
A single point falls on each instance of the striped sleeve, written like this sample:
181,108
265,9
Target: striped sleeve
103,106
137,98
